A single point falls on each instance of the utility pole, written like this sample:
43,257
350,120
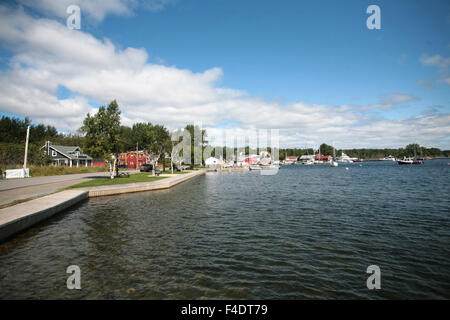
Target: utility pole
171,155
26,150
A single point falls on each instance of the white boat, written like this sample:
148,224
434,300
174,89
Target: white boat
388,158
255,167
307,159
345,158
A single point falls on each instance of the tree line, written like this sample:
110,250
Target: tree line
102,135
369,154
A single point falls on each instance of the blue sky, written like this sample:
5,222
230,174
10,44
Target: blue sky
285,52
312,51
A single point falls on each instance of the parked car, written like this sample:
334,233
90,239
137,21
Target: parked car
146,167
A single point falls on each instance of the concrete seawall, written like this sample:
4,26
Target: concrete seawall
21,216
142,186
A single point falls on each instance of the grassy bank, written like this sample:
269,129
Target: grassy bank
106,181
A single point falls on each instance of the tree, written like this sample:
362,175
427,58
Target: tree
125,141
142,134
197,142
161,142
412,149
102,131
326,149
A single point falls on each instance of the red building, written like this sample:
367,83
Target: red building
290,159
133,159
323,158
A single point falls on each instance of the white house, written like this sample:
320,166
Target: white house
211,161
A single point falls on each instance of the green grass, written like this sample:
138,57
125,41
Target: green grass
106,181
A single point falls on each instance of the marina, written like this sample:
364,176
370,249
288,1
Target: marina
247,236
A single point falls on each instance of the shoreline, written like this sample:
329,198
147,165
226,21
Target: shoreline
17,218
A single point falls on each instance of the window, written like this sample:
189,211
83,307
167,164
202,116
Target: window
54,153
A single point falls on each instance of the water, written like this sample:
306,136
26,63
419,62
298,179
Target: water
307,232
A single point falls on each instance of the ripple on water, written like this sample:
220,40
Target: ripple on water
307,232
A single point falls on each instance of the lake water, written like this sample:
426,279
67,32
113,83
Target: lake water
307,232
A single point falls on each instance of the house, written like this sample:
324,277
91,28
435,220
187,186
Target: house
290,159
133,159
212,162
67,155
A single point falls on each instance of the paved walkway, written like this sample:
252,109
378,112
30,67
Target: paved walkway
20,189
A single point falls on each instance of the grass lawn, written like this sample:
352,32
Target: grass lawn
106,181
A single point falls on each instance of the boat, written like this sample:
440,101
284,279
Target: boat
406,160
410,160
345,158
255,167
388,158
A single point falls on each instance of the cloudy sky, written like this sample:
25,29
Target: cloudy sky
311,69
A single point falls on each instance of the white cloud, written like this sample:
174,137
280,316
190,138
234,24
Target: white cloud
95,9
440,62
48,55
390,101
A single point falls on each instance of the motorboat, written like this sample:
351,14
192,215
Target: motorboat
388,158
345,158
406,160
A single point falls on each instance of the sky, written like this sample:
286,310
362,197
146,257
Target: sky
309,68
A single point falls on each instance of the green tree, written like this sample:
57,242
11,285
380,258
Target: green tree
161,143
412,149
102,131
142,135
198,142
326,149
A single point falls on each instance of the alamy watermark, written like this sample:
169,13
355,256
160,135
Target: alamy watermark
374,20
374,280
74,280
74,19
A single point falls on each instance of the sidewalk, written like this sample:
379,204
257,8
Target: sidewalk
22,189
